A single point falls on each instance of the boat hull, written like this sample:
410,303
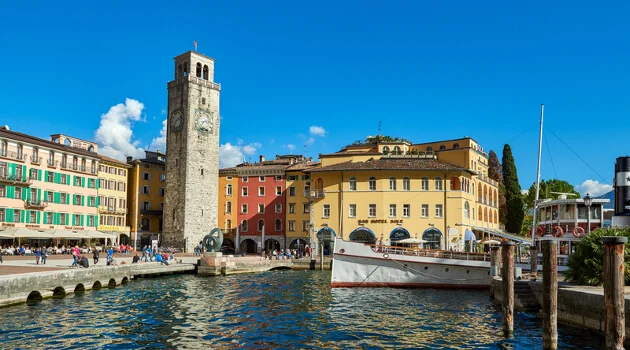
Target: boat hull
358,265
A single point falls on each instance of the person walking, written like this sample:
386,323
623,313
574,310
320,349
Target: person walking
150,253
144,253
95,255
38,255
75,256
44,255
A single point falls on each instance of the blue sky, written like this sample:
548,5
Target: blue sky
429,70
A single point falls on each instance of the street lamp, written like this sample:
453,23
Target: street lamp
588,201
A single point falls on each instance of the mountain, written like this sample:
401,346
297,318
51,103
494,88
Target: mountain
610,195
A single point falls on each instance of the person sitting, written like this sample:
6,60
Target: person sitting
172,258
85,263
136,258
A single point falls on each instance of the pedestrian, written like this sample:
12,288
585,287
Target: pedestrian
95,255
38,255
144,253
136,258
150,253
110,253
75,256
44,255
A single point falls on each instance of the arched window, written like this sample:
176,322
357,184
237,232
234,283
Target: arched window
372,184
479,192
429,149
466,210
479,213
83,162
20,151
406,184
397,150
198,71
438,183
496,217
261,225
485,214
228,207
473,189
496,198
456,146
425,183
205,72
185,68
278,225
91,149
4,148
353,184
228,224
180,71
228,189
473,213
35,154
442,147
392,184
244,226
64,161
385,150
75,162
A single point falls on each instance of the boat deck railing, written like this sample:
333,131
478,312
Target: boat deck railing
442,254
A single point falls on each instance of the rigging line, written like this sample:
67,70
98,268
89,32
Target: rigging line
521,134
550,158
580,158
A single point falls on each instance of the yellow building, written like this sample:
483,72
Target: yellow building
146,197
298,205
388,191
112,194
228,206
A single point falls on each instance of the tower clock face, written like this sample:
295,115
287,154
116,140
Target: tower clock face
205,121
176,120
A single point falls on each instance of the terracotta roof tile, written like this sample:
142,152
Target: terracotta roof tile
302,166
412,164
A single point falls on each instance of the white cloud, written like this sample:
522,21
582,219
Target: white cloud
310,141
291,147
114,132
525,192
317,131
593,187
159,143
231,155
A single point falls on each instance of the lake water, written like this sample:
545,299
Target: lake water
278,309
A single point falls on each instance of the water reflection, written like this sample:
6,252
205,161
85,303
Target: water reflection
271,310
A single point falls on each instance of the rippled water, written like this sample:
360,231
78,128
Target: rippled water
270,310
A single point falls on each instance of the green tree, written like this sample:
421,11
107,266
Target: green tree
586,264
546,189
496,173
526,227
513,196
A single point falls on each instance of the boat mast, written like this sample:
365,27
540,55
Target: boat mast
540,140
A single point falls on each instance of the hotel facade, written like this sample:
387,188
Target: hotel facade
112,198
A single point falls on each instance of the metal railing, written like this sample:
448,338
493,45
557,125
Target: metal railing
442,254
314,193
35,204
15,178
150,212
52,163
36,160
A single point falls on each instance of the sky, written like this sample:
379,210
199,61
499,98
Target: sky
312,77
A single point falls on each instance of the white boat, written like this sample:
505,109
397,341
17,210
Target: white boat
356,264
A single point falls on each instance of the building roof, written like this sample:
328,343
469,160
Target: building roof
18,136
552,202
343,152
113,161
412,164
302,166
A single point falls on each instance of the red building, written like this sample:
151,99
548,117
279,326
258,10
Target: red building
261,212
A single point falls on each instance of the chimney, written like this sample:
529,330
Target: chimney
129,159
262,158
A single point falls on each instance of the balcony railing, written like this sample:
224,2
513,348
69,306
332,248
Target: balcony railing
75,167
151,212
34,204
82,168
36,160
19,155
12,155
15,179
312,194
52,163
64,165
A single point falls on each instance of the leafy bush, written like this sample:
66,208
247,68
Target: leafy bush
586,265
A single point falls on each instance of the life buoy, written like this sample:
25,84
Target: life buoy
578,232
557,231
540,231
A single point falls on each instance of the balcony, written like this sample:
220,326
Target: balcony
36,160
13,155
15,180
34,204
74,167
83,168
52,163
111,209
151,212
314,194
64,165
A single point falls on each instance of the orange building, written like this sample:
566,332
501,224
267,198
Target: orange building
228,205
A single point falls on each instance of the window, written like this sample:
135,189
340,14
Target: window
91,183
278,177
261,191
305,226
291,226
2,214
425,183
372,210
307,208
261,178
278,191
244,226
425,210
292,191
244,178
146,176
406,184
162,177
228,190
145,189
353,184
63,179
33,175
146,206
228,207
50,177
291,208
62,218
429,149
406,210
244,191
278,208
385,150
48,219
244,208
228,178
261,208
278,225
161,192
438,210
16,215
456,146
372,184
3,191
392,210
18,193
49,197
467,210
261,225
352,211
77,199
32,217
326,211
392,184
442,147
438,183
62,198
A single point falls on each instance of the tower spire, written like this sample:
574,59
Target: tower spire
195,43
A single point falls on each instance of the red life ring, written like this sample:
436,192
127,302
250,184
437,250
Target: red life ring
578,232
557,231
540,231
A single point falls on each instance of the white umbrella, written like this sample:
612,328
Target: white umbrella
491,242
412,241
28,233
7,232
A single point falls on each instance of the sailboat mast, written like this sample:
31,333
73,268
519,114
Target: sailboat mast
540,141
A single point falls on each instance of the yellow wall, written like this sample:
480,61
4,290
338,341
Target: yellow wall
136,183
116,213
299,216
224,216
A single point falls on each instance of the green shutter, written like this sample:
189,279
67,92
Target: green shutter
56,178
39,194
82,201
23,216
97,184
83,182
46,174
39,216
45,219
67,220
74,180
56,218
28,194
82,221
39,175
74,199
74,220
95,220
23,172
97,200
57,197
11,169
68,180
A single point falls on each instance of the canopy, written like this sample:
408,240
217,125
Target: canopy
412,241
99,234
469,236
7,232
28,233
66,234
491,242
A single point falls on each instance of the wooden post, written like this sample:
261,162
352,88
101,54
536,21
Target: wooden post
614,270
495,261
507,275
321,256
533,261
550,293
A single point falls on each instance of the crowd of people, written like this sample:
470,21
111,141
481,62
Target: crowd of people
281,254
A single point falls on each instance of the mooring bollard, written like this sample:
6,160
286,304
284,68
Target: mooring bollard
321,256
550,292
614,270
533,261
507,275
495,261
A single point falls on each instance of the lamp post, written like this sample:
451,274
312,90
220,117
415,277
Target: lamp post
447,237
588,201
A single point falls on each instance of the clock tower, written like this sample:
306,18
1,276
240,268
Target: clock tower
192,150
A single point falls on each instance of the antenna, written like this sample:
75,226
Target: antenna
195,43
305,150
380,124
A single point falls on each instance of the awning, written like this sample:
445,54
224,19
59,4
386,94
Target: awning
7,232
67,234
503,234
29,233
100,234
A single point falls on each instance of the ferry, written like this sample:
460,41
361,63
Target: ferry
356,264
